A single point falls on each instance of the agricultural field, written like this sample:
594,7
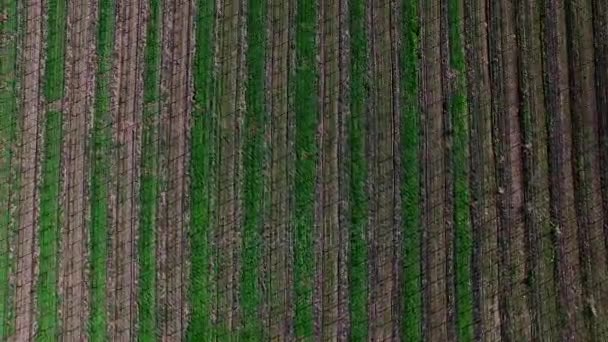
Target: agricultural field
303,170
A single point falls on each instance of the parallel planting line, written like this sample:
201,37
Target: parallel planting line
459,117
148,191
200,327
305,83
254,173
100,156
50,220
411,181
9,126
357,268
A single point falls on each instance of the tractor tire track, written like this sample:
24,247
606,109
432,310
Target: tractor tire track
563,215
385,171
277,254
30,159
176,76
80,76
483,193
127,104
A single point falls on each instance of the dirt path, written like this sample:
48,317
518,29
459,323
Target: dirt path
280,142
384,171
176,88
562,187
80,75
127,106
230,99
586,161
434,238
542,297
331,318
483,190
33,116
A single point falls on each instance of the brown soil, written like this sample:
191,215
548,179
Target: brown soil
80,73
176,79
33,116
384,171
126,104
483,189
434,255
230,99
280,141
541,299
586,161
562,192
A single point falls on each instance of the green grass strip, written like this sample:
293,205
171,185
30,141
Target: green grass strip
8,136
201,327
48,299
462,218
358,174
411,190
253,201
149,179
48,321
101,147
306,150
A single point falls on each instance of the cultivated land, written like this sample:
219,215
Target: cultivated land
303,170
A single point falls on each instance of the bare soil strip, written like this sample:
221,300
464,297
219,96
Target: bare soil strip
588,195
542,297
33,116
278,228
515,315
384,172
562,199
176,88
127,105
80,72
434,239
331,316
230,99
483,190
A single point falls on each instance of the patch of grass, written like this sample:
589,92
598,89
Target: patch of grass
460,164
48,299
101,146
255,123
50,220
411,183
201,327
306,157
358,175
8,136
149,179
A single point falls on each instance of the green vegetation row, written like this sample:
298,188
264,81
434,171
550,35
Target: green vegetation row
149,178
50,220
411,182
8,138
255,123
460,167
358,286
200,327
306,150
101,147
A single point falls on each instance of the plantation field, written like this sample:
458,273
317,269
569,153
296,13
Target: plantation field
303,170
